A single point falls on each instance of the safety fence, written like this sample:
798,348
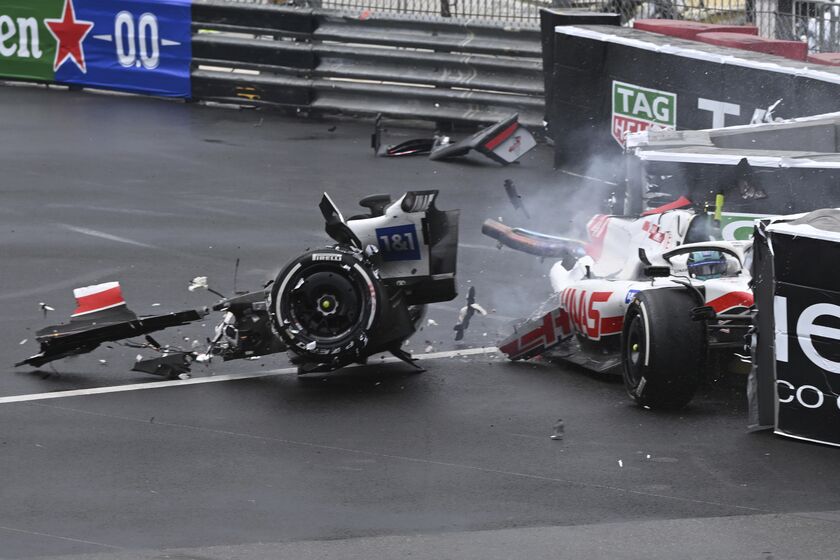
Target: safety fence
315,60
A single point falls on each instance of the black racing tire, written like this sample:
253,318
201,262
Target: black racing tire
324,305
663,351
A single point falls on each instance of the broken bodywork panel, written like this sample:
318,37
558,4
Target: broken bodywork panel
101,316
329,307
504,142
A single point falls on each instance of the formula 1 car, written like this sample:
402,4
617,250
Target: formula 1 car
653,297
330,307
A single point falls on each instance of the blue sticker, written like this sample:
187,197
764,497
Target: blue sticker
142,46
398,243
630,295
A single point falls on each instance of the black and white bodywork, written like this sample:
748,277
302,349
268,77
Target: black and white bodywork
364,294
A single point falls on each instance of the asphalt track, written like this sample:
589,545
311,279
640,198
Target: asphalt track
374,462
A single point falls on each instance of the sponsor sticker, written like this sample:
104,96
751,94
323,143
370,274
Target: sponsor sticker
398,243
636,108
631,294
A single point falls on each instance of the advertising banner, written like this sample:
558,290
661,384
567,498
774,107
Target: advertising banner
610,81
141,46
806,313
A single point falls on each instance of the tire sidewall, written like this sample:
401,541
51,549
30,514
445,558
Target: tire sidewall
342,261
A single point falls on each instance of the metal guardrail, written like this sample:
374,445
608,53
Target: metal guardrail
446,70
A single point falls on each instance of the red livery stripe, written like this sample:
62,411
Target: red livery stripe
110,296
502,136
730,300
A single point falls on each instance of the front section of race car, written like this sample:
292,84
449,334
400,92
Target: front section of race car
652,299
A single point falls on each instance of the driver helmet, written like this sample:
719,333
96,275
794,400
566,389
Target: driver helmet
704,265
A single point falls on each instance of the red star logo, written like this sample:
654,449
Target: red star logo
69,32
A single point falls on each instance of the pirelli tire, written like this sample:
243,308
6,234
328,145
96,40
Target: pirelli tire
663,351
324,305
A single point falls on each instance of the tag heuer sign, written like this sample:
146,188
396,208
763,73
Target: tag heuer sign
635,108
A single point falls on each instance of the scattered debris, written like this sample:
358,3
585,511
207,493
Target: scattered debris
620,463
429,348
24,341
515,198
431,322
155,305
45,308
103,362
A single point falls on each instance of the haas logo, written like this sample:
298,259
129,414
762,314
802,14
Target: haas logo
806,329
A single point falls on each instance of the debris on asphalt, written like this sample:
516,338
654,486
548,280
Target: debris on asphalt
431,322
22,342
45,308
169,365
515,198
103,362
620,463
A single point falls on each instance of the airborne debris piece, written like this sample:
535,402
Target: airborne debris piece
45,308
559,430
101,316
466,314
534,243
504,142
515,198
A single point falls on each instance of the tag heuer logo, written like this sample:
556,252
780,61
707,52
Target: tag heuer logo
636,108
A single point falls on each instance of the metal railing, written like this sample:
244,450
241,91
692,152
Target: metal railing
710,11
816,22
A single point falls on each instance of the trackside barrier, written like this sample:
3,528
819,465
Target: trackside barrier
320,61
304,59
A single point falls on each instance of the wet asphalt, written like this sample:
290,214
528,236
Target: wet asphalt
373,462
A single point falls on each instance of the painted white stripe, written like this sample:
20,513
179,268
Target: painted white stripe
104,37
95,289
108,236
217,378
169,43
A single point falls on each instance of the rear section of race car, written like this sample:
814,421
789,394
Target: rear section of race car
662,334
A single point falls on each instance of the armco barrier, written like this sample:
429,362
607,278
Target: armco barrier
322,61
304,59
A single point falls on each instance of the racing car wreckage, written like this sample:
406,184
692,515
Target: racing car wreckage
330,307
653,296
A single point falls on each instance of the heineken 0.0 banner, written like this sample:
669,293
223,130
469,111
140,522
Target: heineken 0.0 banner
140,46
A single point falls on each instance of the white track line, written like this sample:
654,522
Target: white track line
108,236
216,378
